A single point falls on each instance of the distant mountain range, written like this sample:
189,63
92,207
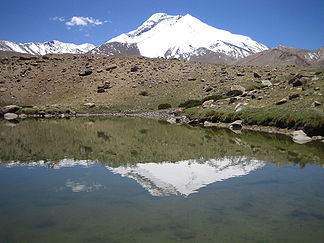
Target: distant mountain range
182,37
43,48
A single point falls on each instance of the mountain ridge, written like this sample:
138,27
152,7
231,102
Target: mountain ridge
283,56
43,48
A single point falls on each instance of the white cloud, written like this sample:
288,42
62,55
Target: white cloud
59,19
83,21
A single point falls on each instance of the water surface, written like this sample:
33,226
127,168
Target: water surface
133,180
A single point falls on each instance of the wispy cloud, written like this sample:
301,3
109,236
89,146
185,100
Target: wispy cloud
59,19
83,21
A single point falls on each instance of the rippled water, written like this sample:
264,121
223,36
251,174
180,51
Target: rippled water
133,180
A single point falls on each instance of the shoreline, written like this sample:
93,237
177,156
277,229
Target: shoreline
172,116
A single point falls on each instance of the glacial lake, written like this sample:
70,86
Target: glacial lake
135,180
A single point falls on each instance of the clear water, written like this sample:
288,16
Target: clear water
132,180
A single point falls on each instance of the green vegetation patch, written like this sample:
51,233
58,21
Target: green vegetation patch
164,106
193,103
214,97
309,120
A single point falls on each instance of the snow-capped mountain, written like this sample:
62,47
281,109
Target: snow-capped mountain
42,48
184,37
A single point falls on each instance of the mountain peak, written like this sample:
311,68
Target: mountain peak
153,21
157,16
178,36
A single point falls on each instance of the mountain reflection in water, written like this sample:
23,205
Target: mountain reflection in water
186,177
165,178
134,180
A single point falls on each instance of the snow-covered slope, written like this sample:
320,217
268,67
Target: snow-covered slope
50,47
185,37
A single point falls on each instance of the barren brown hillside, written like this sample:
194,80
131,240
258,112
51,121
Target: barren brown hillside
123,82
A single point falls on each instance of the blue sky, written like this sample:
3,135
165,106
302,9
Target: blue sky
272,22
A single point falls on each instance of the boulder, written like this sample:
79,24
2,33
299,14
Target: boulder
256,75
182,119
100,90
193,122
300,137
105,85
280,102
255,95
134,69
85,73
233,93
238,87
298,80
232,100
112,67
208,124
89,105
297,83
317,138
239,107
208,88
192,79
10,109
266,83
10,116
172,120
207,103
144,93
236,124
293,96
316,103
235,90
